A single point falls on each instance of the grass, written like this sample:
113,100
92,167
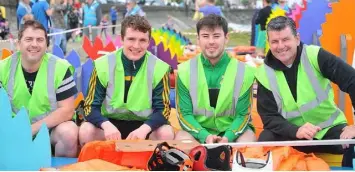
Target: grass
235,39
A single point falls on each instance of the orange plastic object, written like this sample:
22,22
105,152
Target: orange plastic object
95,165
78,99
316,164
241,49
106,150
343,12
5,53
256,120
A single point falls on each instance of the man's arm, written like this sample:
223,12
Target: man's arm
93,101
338,71
47,9
185,114
271,118
160,104
65,111
242,117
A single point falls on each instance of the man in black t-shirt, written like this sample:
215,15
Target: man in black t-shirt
46,89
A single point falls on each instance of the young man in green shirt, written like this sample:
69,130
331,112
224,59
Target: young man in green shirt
214,91
128,94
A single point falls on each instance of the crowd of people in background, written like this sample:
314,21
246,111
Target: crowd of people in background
59,15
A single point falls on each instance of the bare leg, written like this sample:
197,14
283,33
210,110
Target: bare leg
165,132
88,132
64,137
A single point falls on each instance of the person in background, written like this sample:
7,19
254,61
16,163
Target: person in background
59,24
104,24
261,20
114,17
4,27
134,9
41,12
22,9
32,2
281,4
91,17
169,23
210,8
77,5
72,19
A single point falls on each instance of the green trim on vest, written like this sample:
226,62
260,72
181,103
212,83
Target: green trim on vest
138,94
216,123
304,96
38,103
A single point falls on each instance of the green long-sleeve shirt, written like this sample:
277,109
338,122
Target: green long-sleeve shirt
214,76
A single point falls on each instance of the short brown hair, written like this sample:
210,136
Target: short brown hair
28,17
34,25
212,21
135,22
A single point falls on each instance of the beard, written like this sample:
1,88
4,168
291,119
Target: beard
213,55
33,59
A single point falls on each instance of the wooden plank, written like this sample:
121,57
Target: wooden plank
150,145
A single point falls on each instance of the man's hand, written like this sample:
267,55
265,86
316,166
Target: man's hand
35,128
307,131
111,132
212,139
348,133
140,133
222,140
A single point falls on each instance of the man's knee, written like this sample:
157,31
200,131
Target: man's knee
165,132
247,136
87,133
183,135
67,133
267,135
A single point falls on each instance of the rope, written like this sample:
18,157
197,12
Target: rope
286,143
63,32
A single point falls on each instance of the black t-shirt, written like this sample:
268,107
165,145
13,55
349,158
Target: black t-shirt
263,15
64,91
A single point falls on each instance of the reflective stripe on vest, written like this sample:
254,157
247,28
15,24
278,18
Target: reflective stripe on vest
238,82
321,95
343,55
111,86
50,85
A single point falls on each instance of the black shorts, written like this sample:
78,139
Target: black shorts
126,127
